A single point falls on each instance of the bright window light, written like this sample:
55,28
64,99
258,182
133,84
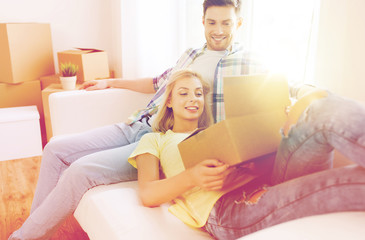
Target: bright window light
283,32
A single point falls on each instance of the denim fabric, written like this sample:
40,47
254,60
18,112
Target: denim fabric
73,164
303,183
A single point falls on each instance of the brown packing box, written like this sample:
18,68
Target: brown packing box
92,63
48,80
52,88
23,94
255,112
26,52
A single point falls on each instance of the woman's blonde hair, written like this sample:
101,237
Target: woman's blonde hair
165,117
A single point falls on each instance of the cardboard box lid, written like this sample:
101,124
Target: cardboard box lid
90,50
80,51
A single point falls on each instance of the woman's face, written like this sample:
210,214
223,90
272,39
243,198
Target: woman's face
187,99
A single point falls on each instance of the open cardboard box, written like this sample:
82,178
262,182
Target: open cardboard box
92,63
255,111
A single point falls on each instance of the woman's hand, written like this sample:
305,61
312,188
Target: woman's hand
209,174
95,85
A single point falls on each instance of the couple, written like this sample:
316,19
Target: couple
72,165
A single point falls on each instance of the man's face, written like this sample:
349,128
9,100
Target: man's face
220,24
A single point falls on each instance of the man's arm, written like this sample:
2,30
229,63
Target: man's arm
143,85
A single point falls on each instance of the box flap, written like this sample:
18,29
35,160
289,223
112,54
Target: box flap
250,94
90,50
255,135
80,51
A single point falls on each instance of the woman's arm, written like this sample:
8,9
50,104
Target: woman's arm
208,174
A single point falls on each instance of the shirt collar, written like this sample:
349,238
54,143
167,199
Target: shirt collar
235,48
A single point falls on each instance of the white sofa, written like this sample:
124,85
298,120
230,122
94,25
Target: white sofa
114,211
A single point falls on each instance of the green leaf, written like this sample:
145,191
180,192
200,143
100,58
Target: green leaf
68,69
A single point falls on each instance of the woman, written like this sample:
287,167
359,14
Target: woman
196,193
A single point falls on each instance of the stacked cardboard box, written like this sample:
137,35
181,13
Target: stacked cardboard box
27,65
52,88
49,80
26,55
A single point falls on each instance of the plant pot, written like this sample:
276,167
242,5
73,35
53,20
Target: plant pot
68,83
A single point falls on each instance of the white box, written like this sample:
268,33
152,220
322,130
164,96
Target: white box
20,133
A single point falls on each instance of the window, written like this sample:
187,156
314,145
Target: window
284,33
152,34
155,33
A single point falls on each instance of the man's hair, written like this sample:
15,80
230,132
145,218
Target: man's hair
222,3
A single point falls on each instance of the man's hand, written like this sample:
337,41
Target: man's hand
209,174
95,85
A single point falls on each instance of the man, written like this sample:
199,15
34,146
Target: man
74,164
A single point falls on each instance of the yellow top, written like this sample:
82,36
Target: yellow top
192,207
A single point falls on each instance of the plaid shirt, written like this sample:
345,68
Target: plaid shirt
234,62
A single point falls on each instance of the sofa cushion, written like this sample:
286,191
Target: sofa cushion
115,212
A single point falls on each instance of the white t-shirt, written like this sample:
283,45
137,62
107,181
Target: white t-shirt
206,64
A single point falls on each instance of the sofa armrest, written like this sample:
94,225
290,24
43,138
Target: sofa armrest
115,212
77,111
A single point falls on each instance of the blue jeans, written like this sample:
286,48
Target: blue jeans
73,164
303,181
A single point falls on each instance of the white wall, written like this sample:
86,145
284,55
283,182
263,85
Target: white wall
341,51
97,24
152,36
80,23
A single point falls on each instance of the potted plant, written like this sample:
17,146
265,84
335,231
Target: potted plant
68,75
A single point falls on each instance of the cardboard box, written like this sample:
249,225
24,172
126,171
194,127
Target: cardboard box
93,63
55,87
48,80
255,112
23,94
26,52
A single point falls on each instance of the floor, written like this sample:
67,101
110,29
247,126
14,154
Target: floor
18,179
